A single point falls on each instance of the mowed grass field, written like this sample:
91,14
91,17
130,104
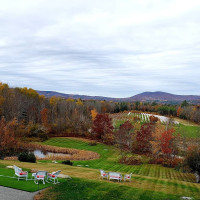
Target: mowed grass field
185,128
146,176
148,182
7,179
188,131
83,189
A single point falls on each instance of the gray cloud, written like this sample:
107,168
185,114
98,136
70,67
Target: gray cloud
111,48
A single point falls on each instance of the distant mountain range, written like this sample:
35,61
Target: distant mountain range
145,96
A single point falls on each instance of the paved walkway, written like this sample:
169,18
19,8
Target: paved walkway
13,194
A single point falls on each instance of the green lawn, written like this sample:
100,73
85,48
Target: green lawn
188,131
82,189
185,128
148,182
7,179
148,176
109,157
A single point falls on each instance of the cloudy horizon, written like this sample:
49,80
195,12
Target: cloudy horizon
101,48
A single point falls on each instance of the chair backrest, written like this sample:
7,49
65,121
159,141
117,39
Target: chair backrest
43,173
17,169
56,173
115,174
102,171
129,175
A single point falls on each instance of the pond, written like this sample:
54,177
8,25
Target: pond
40,154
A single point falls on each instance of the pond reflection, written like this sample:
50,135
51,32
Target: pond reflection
42,154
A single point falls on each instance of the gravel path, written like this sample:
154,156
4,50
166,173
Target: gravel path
13,194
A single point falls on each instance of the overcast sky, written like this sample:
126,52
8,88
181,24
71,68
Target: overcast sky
115,48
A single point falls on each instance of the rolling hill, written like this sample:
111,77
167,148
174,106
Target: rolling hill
145,96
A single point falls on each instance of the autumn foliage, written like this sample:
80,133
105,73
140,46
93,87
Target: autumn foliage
9,142
143,138
103,129
44,117
94,114
153,119
124,135
166,141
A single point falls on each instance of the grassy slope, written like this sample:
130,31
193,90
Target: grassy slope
149,176
186,122
186,128
28,185
188,131
146,178
109,156
82,189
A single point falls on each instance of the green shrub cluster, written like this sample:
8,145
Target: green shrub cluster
27,157
67,162
92,143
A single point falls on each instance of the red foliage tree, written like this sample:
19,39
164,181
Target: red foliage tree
124,135
44,117
102,128
9,143
179,111
166,141
143,138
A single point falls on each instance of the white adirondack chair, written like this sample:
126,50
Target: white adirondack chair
127,177
103,174
53,176
20,174
40,175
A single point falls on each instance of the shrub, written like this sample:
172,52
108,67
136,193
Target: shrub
158,161
67,162
172,162
92,143
43,136
36,130
192,160
27,157
153,119
31,158
131,160
136,119
167,162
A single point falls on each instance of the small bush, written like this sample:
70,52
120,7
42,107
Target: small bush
153,119
27,157
192,160
92,143
67,162
131,160
31,158
158,161
167,162
43,136
172,162
136,119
